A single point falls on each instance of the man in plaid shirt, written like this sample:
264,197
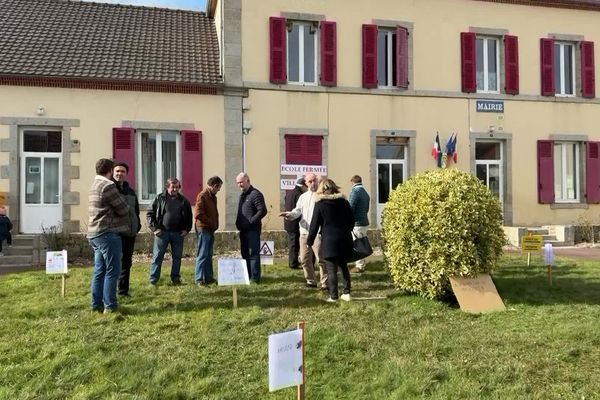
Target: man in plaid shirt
108,218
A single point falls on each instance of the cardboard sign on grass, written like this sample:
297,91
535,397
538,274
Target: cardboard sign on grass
232,272
477,295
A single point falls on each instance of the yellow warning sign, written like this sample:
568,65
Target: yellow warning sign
531,243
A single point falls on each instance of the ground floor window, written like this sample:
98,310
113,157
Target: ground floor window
158,158
489,166
566,172
391,153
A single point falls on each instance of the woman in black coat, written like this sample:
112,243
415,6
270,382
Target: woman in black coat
333,217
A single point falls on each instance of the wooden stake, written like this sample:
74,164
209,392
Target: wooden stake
301,386
550,275
528,259
235,297
63,289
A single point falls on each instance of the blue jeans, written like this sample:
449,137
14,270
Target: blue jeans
250,248
107,266
204,266
160,247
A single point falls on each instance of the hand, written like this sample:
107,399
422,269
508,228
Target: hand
157,233
284,214
184,233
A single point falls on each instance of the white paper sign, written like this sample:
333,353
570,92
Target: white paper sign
56,262
288,184
285,360
292,169
548,254
267,250
232,271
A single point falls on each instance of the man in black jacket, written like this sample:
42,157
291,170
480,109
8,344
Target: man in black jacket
251,210
120,171
170,219
293,227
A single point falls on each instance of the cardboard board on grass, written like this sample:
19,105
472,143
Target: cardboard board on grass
477,295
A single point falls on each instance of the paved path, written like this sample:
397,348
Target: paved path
583,251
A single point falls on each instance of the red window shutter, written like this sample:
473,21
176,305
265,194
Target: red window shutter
304,149
328,54
369,53
401,57
545,153
547,64
511,64
588,73
277,50
592,172
191,162
467,61
124,150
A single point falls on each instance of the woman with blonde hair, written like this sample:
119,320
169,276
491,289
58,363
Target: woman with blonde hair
333,217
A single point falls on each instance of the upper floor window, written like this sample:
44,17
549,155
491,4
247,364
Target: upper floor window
302,52
385,56
482,59
488,64
560,61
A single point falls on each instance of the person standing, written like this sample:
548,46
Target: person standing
170,219
108,213
304,213
120,171
206,223
5,228
292,227
359,202
334,219
251,210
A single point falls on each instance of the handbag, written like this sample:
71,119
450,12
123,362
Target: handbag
361,248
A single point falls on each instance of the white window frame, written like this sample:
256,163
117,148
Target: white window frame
390,50
562,196
160,180
486,70
560,91
499,162
390,162
303,26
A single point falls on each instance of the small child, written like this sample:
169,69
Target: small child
5,228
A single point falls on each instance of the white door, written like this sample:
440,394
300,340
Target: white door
391,169
41,181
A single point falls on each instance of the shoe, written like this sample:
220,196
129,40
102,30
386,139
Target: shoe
201,284
210,282
311,284
153,283
177,282
324,288
359,270
346,297
124,294
97,310
1,254
331,300
9,246
109,310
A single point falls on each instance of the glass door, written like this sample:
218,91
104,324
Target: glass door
391,169
488,166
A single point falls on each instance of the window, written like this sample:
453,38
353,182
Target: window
302,51
566,172
386,58
488,166
564,68
391,165
297,49
487,64
158,159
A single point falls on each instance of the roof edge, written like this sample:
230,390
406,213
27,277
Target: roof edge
110,84
570,4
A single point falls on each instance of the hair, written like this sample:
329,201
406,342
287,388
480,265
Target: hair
327,186
242,175
173,181
104,166
121,164
356,179
214,180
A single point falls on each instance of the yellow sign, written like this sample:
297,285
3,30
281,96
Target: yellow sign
531,243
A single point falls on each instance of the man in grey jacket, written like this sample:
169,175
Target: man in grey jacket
359,202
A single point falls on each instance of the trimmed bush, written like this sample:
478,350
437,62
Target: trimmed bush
439,224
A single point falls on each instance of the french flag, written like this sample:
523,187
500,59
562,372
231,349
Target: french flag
436,152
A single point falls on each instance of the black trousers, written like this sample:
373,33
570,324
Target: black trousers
128,243
8,241
332,266
294,249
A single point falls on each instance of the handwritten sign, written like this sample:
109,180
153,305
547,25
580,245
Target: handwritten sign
285,360
548,254
267,249
476,295
531,243
56,262
232,271
293,169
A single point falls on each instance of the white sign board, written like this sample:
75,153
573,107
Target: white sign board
548,254
285,360
232,271
292,169
288,184
267,250
56,262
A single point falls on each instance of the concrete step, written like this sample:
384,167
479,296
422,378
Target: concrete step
17,250
14,260
23,240
538,231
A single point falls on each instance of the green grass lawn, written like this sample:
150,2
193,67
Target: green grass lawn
187,342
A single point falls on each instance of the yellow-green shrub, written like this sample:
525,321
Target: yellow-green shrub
438,224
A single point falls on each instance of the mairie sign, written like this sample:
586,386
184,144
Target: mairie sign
494,106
